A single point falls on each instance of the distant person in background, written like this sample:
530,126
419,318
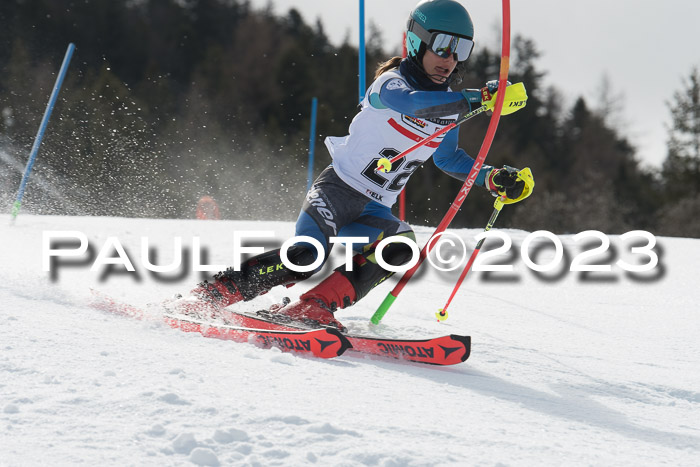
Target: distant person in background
408,100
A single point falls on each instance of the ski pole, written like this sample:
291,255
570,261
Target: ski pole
516,98
469,182
384,164
441,315
524,175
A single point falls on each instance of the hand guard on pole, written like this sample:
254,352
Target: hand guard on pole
510,183
515,99
488,91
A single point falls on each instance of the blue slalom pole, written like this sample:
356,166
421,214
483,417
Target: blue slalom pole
362,50
42,129
312,142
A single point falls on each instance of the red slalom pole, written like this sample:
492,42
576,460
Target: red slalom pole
469,182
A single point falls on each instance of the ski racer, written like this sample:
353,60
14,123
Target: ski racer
409,99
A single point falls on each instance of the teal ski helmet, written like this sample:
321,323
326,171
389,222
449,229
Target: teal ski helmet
443,26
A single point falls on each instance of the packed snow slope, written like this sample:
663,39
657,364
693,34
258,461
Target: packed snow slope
566,368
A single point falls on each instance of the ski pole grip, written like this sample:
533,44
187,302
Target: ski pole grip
383,308
384,165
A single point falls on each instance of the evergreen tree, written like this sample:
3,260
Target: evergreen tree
169,100
681,169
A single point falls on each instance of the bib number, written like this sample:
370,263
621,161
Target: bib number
396,178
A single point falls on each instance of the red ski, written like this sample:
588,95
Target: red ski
445,350
321,342
265,330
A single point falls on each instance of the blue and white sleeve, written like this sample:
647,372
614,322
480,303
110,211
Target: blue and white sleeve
397,95
454,161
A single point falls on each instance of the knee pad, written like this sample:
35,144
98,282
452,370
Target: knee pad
300,256
397,253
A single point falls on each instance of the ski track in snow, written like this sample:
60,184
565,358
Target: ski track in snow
562,371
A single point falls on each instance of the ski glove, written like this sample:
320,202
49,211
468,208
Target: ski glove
505,181
490,89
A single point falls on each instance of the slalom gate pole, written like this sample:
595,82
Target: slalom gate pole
402,196
497,206
469,182
312,143
362,55
40,134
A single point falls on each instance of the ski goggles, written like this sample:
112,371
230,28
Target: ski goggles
443,44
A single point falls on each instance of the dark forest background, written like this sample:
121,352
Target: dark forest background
167,101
